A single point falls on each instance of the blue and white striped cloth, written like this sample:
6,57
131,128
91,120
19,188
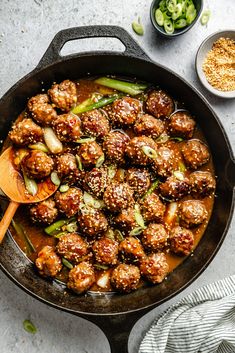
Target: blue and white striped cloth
202,322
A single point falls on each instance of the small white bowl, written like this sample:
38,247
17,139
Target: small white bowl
200,57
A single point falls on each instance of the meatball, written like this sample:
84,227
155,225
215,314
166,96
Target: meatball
174,188
43,212
125,111
81,277
96,181
181,241
68,127
131,249
69,202
64,95
90,153
92,221
115,146
195,153
139,180
41,110
125,220
192,213
149,126
166,162
105,251
118,196
48,262
72,247
154,237
140,149
37,164
159,104
25,132
154,267
181,124
202,183
125,278
66,166
95,123
152,208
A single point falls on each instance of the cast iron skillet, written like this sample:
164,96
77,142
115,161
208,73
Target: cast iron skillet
116,314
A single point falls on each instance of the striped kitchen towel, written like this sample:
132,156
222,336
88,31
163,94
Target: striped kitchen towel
202,322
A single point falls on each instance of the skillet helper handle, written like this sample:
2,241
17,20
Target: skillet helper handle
52,53
7,217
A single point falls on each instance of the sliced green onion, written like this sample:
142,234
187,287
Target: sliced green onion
180,23
52,141
205,17
64,188
171,4
23,235
168,26
110,234
99,104
150,152
100,161
179,175
88,199
159,17
123,86
79,162
182,167
101,267
162,5
29,326
191,14
178,139
39,146
56,226
138,216
138,27
60,234
30,184
67,264
151,189
137,231
112,169
86,139
177,12
55,179
118,235
71,227
89,101
162,138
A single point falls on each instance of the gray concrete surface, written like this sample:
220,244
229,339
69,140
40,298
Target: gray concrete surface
26,29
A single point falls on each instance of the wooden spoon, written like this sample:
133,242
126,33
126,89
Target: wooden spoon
12,184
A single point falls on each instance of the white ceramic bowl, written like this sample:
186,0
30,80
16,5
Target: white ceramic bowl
200,57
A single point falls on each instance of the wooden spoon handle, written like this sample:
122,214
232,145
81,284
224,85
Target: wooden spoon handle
6,220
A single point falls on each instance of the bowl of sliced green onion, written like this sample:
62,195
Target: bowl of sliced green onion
174,17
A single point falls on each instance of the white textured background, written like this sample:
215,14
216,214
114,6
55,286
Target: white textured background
26,29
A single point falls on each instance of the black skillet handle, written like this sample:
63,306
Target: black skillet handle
52,53
230,172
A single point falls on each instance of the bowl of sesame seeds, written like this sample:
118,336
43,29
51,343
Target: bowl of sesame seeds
215,63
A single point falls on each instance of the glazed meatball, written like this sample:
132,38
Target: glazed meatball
152,208
154,267
92,221
41,110
90,153
68,127
96,181
202,183
166,162
43,212
154,237
95,123
105,251
174,188
114,146
125,278
138,147
67,169
25,132
125,220
195,153
181,124
192,213
149,126
81,277
48,262
139,180
118,196
69,202
125,111
181,241
131,249
37,164
64,95
72,247
159,104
